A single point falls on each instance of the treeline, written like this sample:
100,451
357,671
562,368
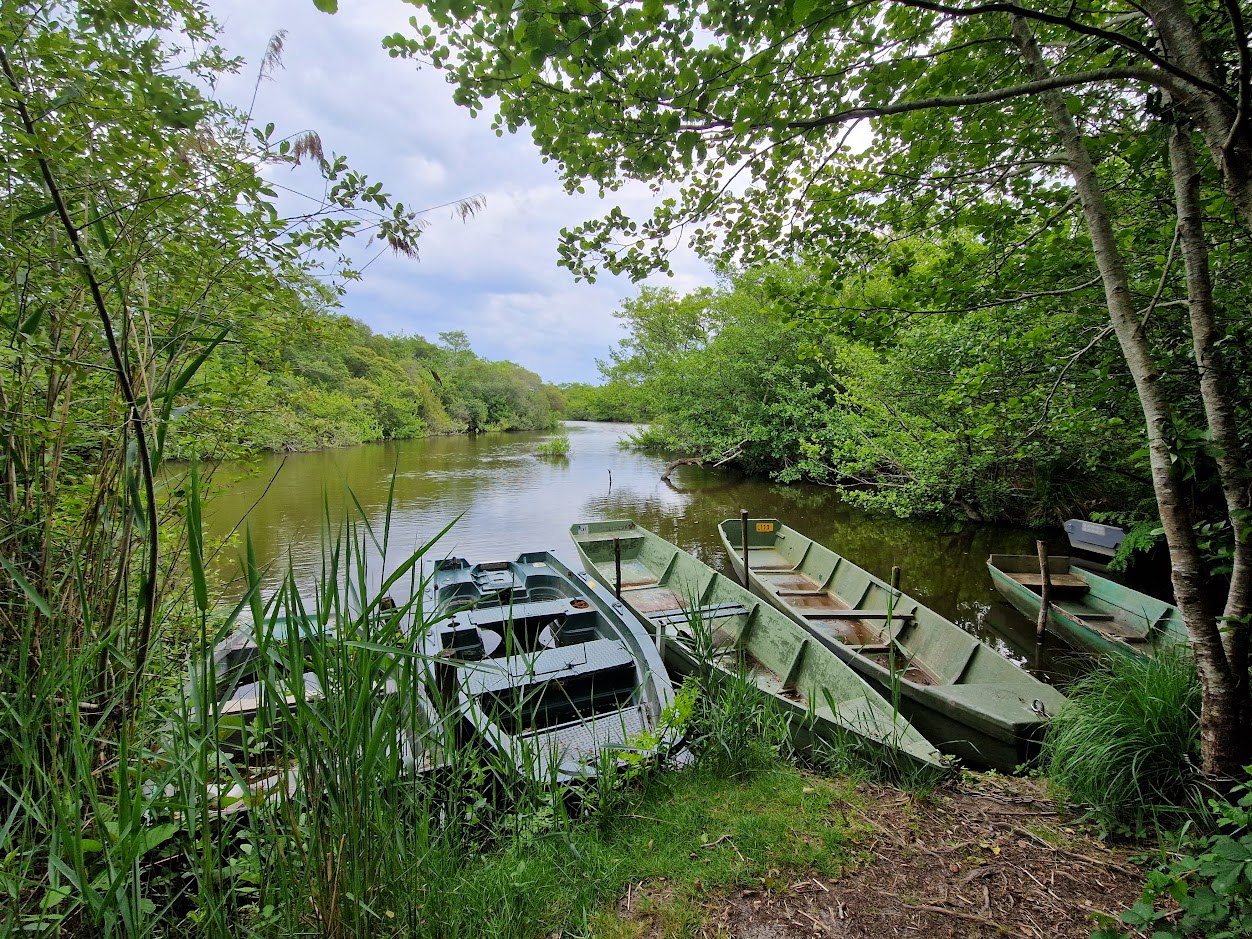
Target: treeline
335,383
984,414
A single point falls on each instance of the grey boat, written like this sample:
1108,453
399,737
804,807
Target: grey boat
543,665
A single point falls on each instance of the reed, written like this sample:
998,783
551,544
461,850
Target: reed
346,806
1125,744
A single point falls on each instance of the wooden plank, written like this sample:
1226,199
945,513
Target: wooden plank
854,614
1058,580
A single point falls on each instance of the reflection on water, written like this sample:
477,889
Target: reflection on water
509,500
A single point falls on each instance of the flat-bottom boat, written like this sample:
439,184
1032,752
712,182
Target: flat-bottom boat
704,620
260,680
543,665
1088,611
966,698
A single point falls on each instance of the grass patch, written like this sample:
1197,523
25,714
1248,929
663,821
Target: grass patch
555,446
1126,744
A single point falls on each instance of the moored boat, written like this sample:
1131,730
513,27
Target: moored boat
703,619
272,693
1088,611
543,665
965,697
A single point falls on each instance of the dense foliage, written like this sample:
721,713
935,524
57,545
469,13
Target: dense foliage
979,413
1086,169
1203,887
332,382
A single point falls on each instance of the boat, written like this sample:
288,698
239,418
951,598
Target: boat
259,679
1092,544
965,697
1088,611
701,619
542,665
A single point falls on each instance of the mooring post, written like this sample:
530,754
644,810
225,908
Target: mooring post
617,567
1045,591
893,596
743,531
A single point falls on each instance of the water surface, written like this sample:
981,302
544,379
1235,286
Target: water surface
504,499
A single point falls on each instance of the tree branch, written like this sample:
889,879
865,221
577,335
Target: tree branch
135,416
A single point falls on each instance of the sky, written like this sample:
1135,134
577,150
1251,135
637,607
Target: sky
494,276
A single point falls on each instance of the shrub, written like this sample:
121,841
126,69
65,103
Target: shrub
1209,883
555,446
1124,744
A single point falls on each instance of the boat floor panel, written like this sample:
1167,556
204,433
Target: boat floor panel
770,682
1104,623
767,559
586,738
788,580
851,632
914,673
657,599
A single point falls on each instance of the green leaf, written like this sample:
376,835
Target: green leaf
27,589
46,209
802,10
327,6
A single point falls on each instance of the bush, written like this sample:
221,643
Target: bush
1124,744
1209,883
555,446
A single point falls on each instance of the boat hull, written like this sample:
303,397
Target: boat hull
996,722
680,599
1091,613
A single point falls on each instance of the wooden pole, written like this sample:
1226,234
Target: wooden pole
889,633
743,531
1045,591
617,567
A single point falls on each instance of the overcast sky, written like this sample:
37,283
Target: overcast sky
493,276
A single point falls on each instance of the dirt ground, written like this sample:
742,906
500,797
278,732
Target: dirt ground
985,857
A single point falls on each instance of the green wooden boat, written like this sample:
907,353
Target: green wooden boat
1088,611
964,696
687,604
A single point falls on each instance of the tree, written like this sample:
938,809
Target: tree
140,235
743,115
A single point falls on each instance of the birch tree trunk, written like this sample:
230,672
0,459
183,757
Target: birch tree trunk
1224,742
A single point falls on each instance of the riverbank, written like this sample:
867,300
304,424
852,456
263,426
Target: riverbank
982,856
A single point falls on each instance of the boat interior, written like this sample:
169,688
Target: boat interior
533,653
674,592
848,605
1087,598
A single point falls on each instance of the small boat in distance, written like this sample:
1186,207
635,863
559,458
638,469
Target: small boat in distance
1088,611
543,665
703,619
964,696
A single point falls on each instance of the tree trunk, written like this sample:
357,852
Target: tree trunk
1223,425
1223,744
1223,125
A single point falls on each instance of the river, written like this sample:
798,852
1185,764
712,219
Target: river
504,499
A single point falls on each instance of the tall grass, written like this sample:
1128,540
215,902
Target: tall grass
1126,744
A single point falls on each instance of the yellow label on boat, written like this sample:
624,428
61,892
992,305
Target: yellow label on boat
765,526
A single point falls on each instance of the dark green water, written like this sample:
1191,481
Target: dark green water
509,500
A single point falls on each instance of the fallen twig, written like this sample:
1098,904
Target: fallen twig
968,917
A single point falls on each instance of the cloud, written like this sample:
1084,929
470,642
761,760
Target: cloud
493,276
